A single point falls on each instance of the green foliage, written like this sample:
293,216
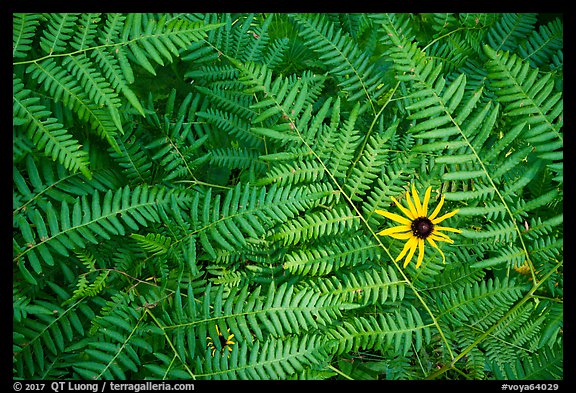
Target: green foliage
180,176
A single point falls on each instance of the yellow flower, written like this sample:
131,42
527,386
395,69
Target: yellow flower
225,343
418,226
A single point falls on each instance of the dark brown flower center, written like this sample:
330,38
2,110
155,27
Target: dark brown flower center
422,227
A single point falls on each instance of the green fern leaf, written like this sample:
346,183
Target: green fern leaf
45,132
23,29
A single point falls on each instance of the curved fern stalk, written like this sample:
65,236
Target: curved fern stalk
45,132
350,65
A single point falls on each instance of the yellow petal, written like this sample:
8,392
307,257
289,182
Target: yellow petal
425,203
417,204
410,243
389,231
439,228
420,253
411,253
441,237
415,212
433,243
437,210
394,217
406,212
445,216
402,236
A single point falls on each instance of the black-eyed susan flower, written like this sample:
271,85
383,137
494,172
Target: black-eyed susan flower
418,226
225,343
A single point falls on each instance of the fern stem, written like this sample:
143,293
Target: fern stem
511,311
331,367
147,311
124,274
112,361
367,136
508,210
110,45
49,326
201,183
449,33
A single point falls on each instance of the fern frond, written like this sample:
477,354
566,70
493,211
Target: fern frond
401,331
44,336
315,225
273,359
482,304
256,314
88,221
542,44
296,173
546,365
344,59
510,30
23,29
60,28
47,134
524,93
375,285
246,213
323,259
62,85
